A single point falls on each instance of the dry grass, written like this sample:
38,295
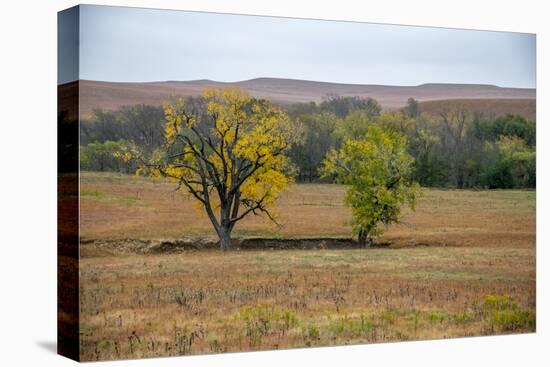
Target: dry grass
490,108
108,95
477,277
118,206
201,302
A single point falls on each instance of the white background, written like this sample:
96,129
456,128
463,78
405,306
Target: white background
28,181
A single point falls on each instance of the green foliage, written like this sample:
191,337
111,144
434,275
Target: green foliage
311,332
437,316
503,314
353,126
509,125
356,124
453,147
227,150
463,316
377,170
430,169
389,316
131,128
396,122
95,194
412,109
139,124
342,106
264,320
106,156
499,303
309,152
510,320
514,166
349,327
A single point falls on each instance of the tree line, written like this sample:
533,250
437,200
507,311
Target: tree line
452,148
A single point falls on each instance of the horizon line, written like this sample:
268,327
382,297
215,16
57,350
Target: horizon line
295,79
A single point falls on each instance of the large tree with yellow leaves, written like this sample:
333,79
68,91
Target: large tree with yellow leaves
227,150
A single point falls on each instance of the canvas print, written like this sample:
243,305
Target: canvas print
233,183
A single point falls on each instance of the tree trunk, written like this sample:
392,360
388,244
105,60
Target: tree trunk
364,239
224,233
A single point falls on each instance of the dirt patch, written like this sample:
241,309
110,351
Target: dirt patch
97,248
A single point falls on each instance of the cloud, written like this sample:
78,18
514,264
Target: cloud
131,44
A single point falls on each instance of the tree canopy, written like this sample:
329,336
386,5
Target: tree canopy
226,150
453,146
377,170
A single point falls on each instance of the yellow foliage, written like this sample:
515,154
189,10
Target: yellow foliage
228,142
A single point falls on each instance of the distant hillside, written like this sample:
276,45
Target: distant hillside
109,95
67,100
489,108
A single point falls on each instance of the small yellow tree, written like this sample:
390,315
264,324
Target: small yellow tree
227,150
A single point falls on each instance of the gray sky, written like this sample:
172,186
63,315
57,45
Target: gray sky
131,44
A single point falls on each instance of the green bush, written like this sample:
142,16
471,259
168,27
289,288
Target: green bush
499,303
464,316
510,320
264,320
351,327
437,316
503,314
311,334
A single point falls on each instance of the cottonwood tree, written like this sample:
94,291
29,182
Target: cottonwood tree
378,171
356,124
106,156
342,106
456,123
515,166
227,150
142,125
316,132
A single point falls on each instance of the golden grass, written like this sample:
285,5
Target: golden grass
475,276
208,301
118,206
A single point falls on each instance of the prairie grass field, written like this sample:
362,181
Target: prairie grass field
115,206
462,264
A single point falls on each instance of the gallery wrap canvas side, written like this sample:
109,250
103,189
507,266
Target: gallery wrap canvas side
232,183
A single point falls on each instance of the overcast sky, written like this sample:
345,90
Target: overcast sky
131,44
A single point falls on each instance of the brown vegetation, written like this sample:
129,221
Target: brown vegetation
208,301
111,96
117,206
474,276
489,108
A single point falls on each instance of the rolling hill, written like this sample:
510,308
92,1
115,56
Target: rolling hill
112,95
487,107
